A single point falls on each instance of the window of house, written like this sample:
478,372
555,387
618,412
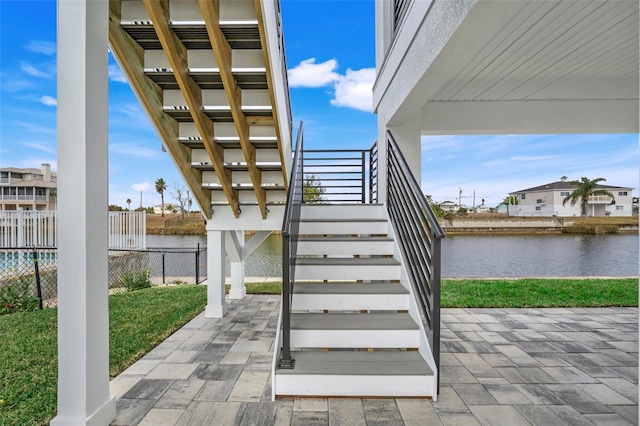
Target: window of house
523,196
538,208
565,193
622,193
619,207
16,175
34,176
539,201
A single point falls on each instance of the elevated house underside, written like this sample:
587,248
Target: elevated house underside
211,76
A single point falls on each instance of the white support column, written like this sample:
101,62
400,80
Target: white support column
216,307
83,313
238,290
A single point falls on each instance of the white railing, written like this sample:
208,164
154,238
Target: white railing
127,230
4,180
599,199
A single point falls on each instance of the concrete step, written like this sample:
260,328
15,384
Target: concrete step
320,211
336,225
356,373
350,296
347,269
354,330
344,245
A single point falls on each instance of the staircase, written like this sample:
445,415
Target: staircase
353,321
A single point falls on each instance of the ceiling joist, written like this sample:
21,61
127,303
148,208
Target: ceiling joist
130,56
222,51
176,54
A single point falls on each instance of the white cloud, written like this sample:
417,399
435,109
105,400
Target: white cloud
309,74
115,74
351,90
142,187
532,157
45,47
40,147
136,151
49,101
31,70
354,90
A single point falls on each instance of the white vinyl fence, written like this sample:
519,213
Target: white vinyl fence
38,228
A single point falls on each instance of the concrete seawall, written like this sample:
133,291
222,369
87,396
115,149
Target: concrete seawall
515,226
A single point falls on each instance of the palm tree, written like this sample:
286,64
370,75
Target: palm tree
161,186
585,189
128,204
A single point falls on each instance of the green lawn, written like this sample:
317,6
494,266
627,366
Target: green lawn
539,293
140,320
28,348
522,293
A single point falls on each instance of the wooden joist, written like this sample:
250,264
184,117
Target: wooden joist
176,54
130,56
222,51
274,105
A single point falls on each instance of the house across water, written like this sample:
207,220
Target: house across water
547,200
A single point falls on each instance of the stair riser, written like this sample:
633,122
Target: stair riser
347,211
347,273
342,385
350,302
355,338
344,248
343,228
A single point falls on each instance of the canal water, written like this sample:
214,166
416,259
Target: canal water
483,255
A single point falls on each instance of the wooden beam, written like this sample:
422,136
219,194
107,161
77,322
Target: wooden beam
260,120
176,54
222,51
130,56
274,105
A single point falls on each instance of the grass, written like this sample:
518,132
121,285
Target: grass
539,293
142,319
138,322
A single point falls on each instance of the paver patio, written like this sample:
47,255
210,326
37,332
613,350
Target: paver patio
498,367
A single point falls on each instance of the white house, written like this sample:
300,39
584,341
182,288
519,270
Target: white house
546,200
449,206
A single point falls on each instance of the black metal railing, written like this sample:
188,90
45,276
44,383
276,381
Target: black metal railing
29,275
373,173
290,226
419,236
340,176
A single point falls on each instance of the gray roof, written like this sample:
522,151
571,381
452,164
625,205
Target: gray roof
561,185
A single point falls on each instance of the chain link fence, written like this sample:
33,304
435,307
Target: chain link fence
29,276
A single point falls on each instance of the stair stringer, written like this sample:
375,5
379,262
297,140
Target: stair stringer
424,348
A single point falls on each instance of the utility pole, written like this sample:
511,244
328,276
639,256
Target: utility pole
474,201
460,198
140,199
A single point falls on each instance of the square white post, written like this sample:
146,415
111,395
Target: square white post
238,290
216,307
83,312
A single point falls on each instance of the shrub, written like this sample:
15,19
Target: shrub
16,298
136,280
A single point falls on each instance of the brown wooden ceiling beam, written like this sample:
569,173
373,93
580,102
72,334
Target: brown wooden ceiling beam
222,51
176,54
130,56
274,105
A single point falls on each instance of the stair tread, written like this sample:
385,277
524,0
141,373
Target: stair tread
348,321
347,261
343,219
341,238
349,288
384,363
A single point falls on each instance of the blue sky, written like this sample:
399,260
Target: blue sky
331,54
